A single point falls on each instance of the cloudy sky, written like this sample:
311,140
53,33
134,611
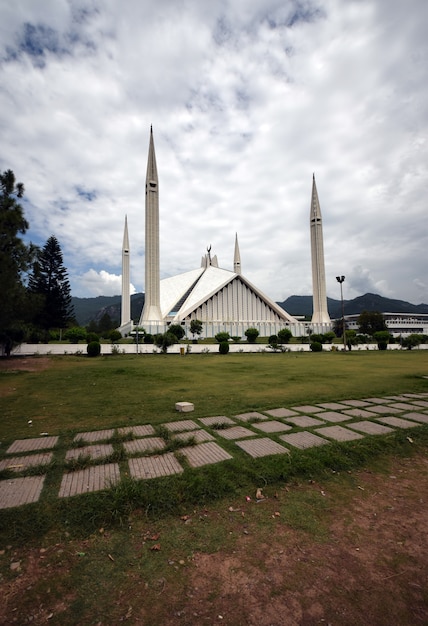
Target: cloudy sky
247,99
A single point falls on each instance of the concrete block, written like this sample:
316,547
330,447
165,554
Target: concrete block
184,407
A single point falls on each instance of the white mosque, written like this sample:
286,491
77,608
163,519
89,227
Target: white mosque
223,300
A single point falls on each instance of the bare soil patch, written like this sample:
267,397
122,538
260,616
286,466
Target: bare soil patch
24,363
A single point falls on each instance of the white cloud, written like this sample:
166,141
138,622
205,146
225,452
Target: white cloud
93,283
247,100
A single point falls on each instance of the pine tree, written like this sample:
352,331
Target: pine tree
49,282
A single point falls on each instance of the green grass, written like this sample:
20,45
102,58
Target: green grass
78,393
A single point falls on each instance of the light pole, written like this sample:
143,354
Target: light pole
340,280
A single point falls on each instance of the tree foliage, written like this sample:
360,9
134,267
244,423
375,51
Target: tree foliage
49,282
370,322
251,335
15,260
164,341
284,335
177,330
196,327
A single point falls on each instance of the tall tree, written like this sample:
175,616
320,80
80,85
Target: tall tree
15,259
49,281
370,322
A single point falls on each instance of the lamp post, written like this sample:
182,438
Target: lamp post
340,280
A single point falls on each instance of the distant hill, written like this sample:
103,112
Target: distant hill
87,309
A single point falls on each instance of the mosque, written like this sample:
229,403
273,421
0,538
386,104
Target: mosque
223,300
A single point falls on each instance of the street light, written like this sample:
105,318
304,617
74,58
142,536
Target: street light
340,280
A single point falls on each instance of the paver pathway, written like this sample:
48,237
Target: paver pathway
206,440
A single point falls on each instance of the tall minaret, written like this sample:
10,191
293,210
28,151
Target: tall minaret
125,317
151,311
237,257
320,311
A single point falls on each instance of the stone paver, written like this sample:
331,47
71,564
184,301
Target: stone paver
396,398
333,416
199,436
149,444
154,466
236,432
18,491
281,412
402,406
100,451
21,463
376,400
95,435
356,403
138,431
370,428
205,454
338,433
304,440
418,417
306,408
181,425
249,417
217,420
398,422
94,478
415,395
272,427
420,403
31,445
261,447
333,406
383,410
304,421
359,413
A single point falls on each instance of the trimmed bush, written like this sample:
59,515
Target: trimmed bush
177,330
220,337
223,347
284,335
251,335
382,345
94,348
316,346
148,338
90,337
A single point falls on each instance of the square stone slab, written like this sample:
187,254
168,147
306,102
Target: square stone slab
236,432
304,440
357,403
31,445
100,451
281,412
383,410
198,435
21,463
396,398
420,403
149,444
261,447
182,425
213,421
370,428
249,417
154,466
138,431
417,417
338,433
304,421
94,478
272,427
359,413
18,491
96,435
184,407
333,406
205,454
398,422
402,406
333,416
376,400
414,395
306,408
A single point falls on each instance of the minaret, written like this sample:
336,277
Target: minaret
151,311
237,257
126,298
320,311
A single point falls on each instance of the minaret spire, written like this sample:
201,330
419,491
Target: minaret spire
151,311
125,317
237,257
320,310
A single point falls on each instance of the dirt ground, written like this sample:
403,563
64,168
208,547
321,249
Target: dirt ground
24,363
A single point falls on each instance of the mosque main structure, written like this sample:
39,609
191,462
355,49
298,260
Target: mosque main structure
223,300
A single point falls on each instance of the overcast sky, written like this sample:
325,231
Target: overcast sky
247,98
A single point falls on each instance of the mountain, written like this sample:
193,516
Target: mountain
303,305
87,309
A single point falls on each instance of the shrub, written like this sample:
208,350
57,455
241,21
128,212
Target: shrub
177,330
316,346
315,338
223,347
114,335
148,338
284,335
164,341
90,337
236,338
94,348
251,335
382,345
221,337
75,334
